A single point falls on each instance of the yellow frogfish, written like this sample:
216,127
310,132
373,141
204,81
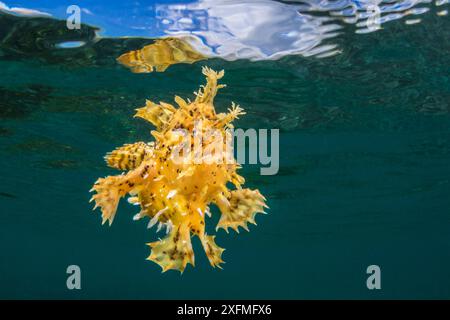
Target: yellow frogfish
177,195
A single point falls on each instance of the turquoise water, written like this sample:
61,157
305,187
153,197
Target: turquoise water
364,168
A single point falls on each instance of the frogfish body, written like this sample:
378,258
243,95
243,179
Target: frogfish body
177,195
159,55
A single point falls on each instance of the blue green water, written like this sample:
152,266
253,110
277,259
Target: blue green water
364,170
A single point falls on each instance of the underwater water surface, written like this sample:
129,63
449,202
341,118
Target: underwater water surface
364,172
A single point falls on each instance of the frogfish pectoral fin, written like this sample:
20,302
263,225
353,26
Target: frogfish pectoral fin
157,114
174,251
240,208
213,251
109,190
